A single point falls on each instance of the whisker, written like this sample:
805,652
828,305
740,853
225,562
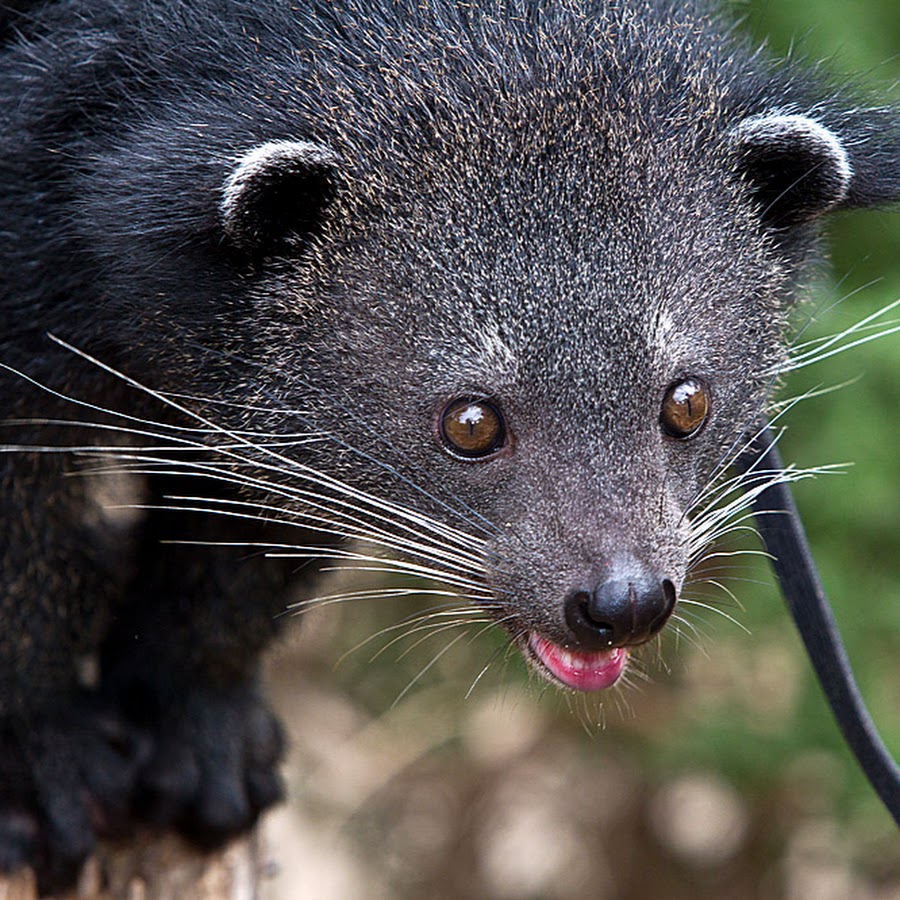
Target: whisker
285,466
825,348
313,603
818,311
422,621
497,651
448,626
716,610
351,527
812,393
425,669
171,402
677,634
693,636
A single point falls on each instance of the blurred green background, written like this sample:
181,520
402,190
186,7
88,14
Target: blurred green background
724,776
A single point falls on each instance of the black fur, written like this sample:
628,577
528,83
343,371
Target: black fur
555,205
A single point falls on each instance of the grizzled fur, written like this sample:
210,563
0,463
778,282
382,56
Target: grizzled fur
329,219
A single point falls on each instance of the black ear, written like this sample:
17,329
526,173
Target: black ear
277,195
796,167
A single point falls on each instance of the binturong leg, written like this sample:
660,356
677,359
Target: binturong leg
779,525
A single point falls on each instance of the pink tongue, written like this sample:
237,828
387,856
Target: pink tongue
582,671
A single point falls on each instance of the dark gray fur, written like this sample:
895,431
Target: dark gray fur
555,205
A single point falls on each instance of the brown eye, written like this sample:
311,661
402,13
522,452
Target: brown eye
685,408
472,428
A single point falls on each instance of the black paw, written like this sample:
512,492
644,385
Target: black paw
66,777
214,769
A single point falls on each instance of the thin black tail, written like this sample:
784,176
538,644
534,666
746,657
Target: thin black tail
782,533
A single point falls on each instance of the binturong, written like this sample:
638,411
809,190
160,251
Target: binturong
492,295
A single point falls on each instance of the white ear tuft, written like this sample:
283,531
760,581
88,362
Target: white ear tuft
277,193
798,167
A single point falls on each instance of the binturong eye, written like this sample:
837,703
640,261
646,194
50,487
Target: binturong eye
685,408
472,429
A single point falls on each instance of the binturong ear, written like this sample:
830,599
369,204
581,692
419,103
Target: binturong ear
799,168
277,195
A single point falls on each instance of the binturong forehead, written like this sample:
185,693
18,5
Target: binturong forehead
581,263
560,207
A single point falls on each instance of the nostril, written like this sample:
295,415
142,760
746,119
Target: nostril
602,614
669,596
591,633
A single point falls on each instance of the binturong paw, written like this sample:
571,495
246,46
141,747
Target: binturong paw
215,765
66,778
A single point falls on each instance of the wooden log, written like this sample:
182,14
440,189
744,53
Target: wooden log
154,867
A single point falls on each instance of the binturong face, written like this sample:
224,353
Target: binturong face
546,341
559,388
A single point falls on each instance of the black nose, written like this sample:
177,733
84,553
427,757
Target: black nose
628,607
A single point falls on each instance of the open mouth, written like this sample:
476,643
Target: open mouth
576,670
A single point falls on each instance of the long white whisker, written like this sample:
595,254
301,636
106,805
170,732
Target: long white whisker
341,526
828,347
385,593
291,465
377,564
287,550
691,635
817,342
410,627
286,465
715,609
432,632
425,669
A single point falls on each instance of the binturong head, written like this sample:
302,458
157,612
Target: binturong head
537,299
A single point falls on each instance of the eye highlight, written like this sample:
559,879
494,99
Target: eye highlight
685,408
472,429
